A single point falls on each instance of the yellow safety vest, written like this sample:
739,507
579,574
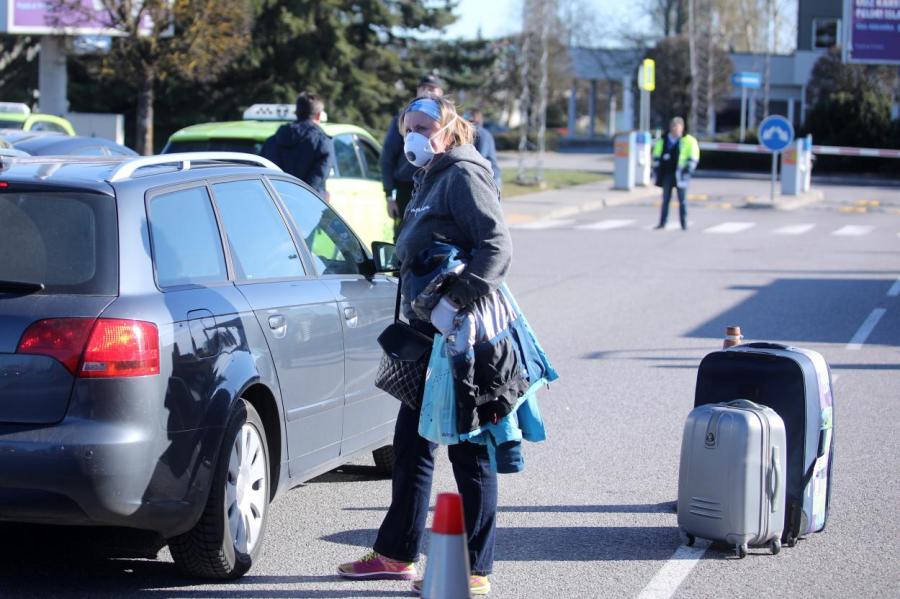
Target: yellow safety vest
688,151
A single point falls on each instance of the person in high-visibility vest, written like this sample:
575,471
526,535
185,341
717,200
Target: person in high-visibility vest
675,157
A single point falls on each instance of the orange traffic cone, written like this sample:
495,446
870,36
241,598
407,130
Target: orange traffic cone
447,571
732,337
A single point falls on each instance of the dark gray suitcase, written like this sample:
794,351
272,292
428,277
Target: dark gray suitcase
731,480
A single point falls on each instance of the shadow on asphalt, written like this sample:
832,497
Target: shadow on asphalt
635,508
37,561
564,543
350,473
803,310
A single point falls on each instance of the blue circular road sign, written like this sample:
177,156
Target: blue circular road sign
776,133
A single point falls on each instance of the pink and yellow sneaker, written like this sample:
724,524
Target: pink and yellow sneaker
478,585
377,567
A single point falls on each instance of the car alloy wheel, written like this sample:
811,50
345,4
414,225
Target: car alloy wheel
246,491
227,539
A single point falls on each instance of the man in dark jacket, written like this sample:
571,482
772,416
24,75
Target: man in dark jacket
484,143
396,170
301,148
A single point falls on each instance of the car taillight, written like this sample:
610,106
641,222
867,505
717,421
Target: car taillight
103,348
60,338
120,348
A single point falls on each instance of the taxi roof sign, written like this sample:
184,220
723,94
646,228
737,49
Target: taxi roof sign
647,75
270,112
15,108
276,112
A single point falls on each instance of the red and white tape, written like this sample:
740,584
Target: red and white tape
830,150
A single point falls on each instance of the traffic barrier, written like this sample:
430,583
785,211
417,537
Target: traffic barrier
624,161
708,146
796,167
447,571
644,158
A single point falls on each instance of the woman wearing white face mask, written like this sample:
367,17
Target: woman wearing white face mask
456,202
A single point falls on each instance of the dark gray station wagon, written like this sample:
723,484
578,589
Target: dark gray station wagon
182,338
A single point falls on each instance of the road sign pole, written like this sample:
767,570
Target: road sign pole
774,176
743,112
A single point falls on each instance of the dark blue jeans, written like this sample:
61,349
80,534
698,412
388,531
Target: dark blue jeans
401,532
668,184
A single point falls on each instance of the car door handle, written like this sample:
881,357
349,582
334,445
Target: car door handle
351,316
278,325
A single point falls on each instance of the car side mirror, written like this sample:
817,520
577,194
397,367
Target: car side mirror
385,257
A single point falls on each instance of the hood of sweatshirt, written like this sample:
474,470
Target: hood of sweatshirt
466,156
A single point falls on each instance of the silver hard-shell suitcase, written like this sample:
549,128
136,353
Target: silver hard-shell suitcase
731,481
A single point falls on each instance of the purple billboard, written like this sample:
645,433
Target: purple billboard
38,17
873,31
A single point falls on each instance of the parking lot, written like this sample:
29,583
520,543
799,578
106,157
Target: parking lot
626,313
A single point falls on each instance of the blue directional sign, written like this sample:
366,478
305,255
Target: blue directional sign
747,79
776,133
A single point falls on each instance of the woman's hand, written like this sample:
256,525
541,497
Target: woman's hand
442,316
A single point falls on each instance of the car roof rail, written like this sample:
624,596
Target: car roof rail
13,153
8,155
184,160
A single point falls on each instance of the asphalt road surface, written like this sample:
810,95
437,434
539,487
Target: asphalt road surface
626,313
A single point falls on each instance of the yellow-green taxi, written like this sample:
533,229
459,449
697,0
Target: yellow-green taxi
354,185
14,115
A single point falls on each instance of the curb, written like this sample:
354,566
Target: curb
618,198
786,203
592,205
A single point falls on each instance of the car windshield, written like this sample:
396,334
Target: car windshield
6,124
65,241
214,145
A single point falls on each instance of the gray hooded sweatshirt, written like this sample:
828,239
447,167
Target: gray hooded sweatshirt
456,201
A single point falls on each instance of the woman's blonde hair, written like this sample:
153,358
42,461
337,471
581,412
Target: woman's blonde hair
461,131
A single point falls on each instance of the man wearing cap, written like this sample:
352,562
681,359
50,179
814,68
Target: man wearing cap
396,170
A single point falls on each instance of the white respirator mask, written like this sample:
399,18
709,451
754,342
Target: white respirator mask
418,149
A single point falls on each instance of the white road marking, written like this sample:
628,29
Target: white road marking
866,329
673,573
795,229
731,227
853,230
894,291
606,225
544,224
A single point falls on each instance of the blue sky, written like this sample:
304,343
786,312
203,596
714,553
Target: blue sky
500,17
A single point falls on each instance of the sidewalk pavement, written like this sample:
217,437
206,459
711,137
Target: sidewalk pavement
714,193
570,201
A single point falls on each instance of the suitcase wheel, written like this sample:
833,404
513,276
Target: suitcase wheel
687,538
775,546
741,551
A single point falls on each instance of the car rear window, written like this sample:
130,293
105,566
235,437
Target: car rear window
214,145
5,124
67,241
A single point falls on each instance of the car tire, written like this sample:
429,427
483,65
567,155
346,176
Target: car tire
384,460
227,539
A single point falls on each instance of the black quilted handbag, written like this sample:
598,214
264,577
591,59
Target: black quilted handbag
405,360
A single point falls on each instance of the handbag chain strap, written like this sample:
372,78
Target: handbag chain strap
397,304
